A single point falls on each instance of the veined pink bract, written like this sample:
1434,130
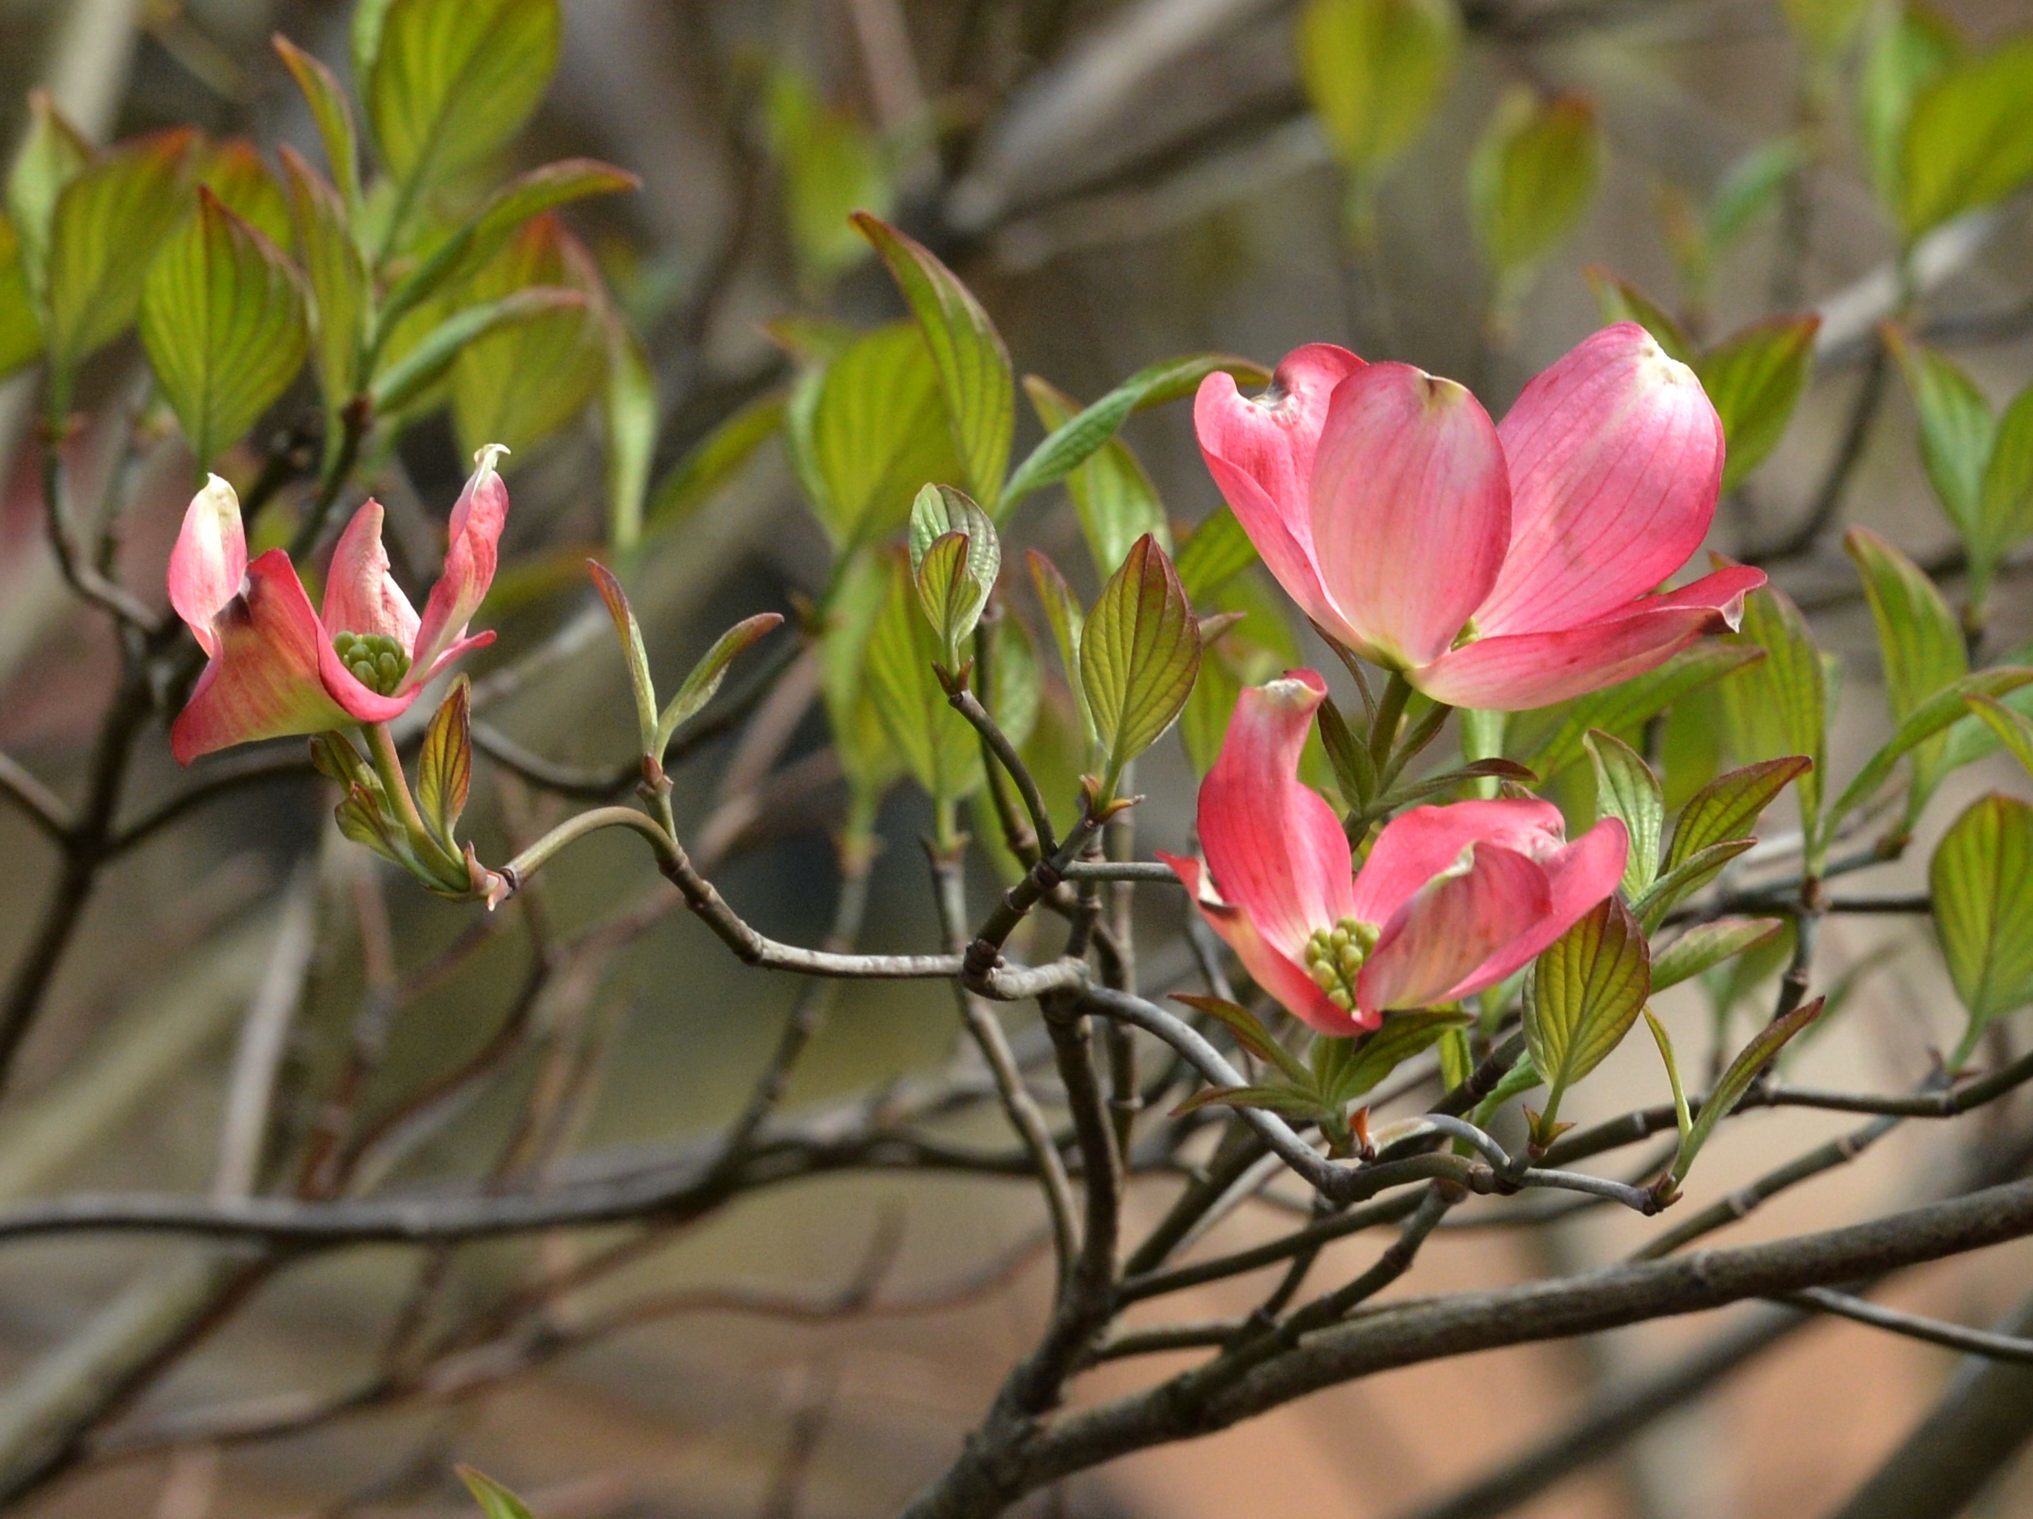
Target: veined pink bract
1451,899
1503,567
278,667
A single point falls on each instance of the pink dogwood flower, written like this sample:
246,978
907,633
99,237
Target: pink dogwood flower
277,667
1501,567
1451,899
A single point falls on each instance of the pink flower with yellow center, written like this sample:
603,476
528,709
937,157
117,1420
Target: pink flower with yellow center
1449,901
1501,567
276,666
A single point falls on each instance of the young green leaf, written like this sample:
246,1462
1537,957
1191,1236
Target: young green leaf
1825,26
869,760
1550,741
107,224
1751,186
1214,553
868,430
951,596
935,741
341,287
496,1501
1982,881
444,767
641,684
1969,140
1682,1118
716,459
20,331
1735,1081
233,171
1729,806
1780,705
1756,377
1583,995
1919,638
331,113
51,154
1625,788
447,82
1928,719
973,366
1707,945
1289,1102
1115,500
1957,430
1532,178
1677,882
1139,652
628,427
2013,728
410,376
1249,1032
699,686
523,381
829,165
2004,516
1374,70
222,320
1907,53
1076,435
1354,766
1621,301
1346,1069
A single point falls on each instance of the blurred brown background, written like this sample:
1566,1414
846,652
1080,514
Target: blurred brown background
1133,179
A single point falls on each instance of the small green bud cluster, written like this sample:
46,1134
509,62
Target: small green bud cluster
377,661
1334,956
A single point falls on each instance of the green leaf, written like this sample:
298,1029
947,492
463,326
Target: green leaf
108,223
1729,806
867,757
1345,1069
331,113
1756,377
829,166
1707,945
1067,622
447,82
1682,1118
629,414
222,319
1969,140
1532,178
1826,27
444,769
1354,766
936,743
1583,995
704,680
1289,1102
955,560
1625,788
1928,719
2004,515
411,375
1139,652
641,684
1736,1081
233,171
2014,729
1214,553
869,429
523,381
973,366
1909,52
1374,70
496,1501
1982,881
1115,499
715,460
1203,724
1677,882
1553,739
340,285
1779,706
1249,1033
1621,301
1919,638
1750,187
20,332
51,154
1957,430
1074,437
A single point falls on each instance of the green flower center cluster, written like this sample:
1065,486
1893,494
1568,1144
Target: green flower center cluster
377,661
1334,955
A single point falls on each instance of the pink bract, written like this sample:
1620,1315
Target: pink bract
1501,567
1451,899
272,669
